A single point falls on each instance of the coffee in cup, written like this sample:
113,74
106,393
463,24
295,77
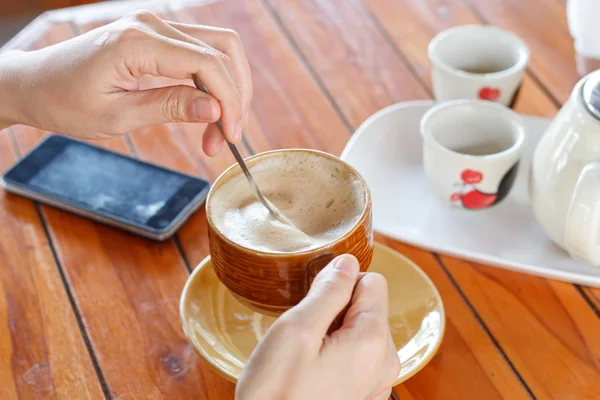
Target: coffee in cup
268,263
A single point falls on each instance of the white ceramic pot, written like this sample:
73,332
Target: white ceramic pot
564,182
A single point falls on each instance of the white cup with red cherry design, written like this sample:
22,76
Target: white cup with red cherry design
471,151
477,62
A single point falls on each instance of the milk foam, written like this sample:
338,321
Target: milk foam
323,199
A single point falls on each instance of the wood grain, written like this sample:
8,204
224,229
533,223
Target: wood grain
543,25
136,332
483,372
411,25
138,283
553,61
349,55
593,294
484,369
43,352
29,7
288,106
178,147
545,327
320,68
498,311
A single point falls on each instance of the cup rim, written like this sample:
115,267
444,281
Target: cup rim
239,246
521,64
506,113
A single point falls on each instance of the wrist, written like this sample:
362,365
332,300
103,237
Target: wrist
12,88
5,100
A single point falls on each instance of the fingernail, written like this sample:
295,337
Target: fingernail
237,136
203,109
347,265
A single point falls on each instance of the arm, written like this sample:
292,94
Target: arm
9,90
96,86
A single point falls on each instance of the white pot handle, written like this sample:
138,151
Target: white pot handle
582,229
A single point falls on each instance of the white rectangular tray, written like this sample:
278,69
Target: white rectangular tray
386,150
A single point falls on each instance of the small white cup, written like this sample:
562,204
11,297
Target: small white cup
456,55
471,151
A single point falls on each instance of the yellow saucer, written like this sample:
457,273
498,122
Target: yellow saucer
224,332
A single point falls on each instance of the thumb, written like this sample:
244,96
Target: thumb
171,104
329,294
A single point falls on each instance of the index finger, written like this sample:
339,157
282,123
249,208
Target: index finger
228,42
157,55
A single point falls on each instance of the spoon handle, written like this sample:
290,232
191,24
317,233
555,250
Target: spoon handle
238,157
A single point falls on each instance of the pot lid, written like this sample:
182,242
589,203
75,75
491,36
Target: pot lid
591,94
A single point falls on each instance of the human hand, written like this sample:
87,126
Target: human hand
297,359
89,86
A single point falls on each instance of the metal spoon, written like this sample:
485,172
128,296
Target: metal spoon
238,157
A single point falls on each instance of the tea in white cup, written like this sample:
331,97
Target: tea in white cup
477,62
471,152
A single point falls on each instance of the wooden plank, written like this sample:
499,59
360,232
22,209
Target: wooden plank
481,371
545,327
175,146
412,24
127,290
553,52
349,54
287,110
12,9
40,334
593,294
467,362
543,25
98,12
403,393
421,19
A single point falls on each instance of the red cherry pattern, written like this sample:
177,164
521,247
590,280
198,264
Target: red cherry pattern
488,93
470,176
455,196
477,200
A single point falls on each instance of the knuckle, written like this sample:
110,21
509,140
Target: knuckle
394,369
232,37
143,16
211,59
172,108
377,280
374,335
290,325
128,34
375,284
334,283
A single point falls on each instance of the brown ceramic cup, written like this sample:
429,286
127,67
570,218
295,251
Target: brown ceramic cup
272,282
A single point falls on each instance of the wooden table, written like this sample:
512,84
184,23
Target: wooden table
89,312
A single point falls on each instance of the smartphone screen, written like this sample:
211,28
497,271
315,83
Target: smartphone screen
114,186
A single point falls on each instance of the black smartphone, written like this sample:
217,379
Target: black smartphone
108,187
